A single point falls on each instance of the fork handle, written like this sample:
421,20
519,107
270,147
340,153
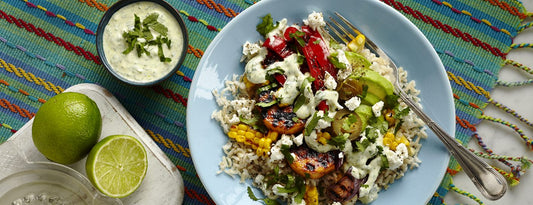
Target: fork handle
487,180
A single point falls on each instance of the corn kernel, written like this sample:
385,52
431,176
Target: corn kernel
242,127
268,141
357,44
311,195
241,132
389,117
272,135
240,138
322,140
249,135
404,140
232,134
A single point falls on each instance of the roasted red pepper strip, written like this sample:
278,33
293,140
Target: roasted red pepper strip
278,45
320,49
323,105
314,68
316,54
290,30
280,78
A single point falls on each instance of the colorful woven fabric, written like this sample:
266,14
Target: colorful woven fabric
48,46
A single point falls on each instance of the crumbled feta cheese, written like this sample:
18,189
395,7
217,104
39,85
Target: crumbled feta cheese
277,192
249,50
376,108
397,157
322,124
341,56
298,140
286,140
315,20
394,160
330,82
401,150
275,151
353,103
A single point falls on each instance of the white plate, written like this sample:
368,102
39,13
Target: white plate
163,183
398,37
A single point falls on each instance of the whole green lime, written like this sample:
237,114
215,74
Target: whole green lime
66,127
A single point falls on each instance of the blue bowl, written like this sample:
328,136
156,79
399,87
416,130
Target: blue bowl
100,47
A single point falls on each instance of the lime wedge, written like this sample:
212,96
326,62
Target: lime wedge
117,165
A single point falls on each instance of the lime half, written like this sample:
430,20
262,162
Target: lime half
117,165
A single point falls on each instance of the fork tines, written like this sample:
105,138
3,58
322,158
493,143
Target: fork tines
344,34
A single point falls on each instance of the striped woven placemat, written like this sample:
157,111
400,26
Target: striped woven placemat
48,46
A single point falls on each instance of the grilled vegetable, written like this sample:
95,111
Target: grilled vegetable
283,120
308,162
245,134
346,188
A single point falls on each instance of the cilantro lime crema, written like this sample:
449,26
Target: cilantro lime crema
142,41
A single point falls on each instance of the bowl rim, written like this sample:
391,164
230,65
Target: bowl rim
103,23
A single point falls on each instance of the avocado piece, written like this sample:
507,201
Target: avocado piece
357,60
364,111
377,86
370,99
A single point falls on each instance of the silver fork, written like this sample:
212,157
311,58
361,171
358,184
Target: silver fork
488,181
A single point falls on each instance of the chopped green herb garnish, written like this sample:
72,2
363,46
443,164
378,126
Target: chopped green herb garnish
334,59
317,41
339,140
312,124
391,101
384,162
266,104
294,184
300,101
401,113
298,37
285,150
266,25
143,30
362,145
266,200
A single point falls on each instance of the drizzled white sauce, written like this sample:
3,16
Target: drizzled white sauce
144,68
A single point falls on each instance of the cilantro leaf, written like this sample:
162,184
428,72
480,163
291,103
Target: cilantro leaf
384,162
160,28
312,124
266,200
391,101
285,150
339,140
266,25
150,19
143,30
